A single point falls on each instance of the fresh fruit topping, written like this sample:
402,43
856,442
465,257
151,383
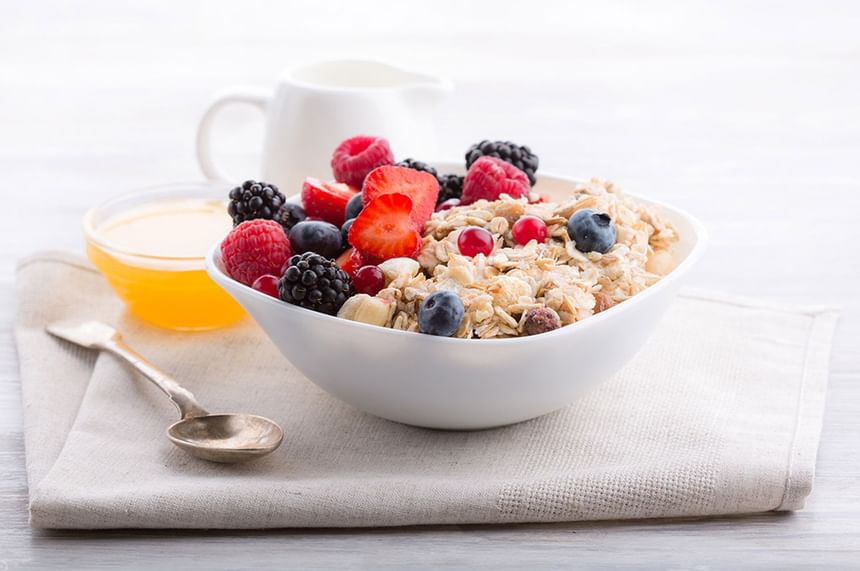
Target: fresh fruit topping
354,158
254,200
385,229
326,200
441,314
350,261
450,186
255,248
399,267
540,320
367,309
369,280
448,204
354,206
421,188
316,236
344,232
474,240
290,215
418,166
591,231
529,228
314,282
267,284
489,178
521,157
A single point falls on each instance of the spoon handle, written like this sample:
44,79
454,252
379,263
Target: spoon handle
181,397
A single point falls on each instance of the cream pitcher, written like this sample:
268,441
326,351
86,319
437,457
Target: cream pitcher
315,107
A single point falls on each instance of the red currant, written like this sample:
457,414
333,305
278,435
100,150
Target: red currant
267,284
448,204
473,241
369,280
529,228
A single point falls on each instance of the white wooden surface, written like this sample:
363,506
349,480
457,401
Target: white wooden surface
745,113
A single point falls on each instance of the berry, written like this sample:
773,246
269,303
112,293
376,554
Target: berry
354,206
529,228
540,320
417,166
255,248
448,204
344,233
450,186
354,158
326,200
314,282
384,229
474,240
369,280
268,284
441,314
254,200
350,261
521,157
421,188
591,231
290,215
489,178
316,236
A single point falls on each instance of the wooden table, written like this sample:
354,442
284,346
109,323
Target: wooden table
747,115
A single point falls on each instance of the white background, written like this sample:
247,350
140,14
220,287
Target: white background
746,113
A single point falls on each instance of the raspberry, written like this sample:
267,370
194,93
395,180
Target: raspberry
520,156
255,248
357,156
489,178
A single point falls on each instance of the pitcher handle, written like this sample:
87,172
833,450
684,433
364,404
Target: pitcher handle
254,96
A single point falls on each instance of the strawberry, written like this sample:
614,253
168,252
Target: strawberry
489,178
384,229
326,200
350,261
422,189
357,156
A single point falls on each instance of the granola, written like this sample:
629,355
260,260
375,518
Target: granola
498,290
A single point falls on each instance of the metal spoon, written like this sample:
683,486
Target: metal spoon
223,438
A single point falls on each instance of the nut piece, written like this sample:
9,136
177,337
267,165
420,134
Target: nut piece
396,267
540,320
366,309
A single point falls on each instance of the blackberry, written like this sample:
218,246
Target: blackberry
315,283
254,200
418,166
450,186
520,156
289,215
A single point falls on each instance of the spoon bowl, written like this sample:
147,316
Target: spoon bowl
226,438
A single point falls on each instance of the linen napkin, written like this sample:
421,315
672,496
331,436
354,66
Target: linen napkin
719,413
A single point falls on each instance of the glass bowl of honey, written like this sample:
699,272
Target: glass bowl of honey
151,245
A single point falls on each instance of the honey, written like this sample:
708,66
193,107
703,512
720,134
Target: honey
152,254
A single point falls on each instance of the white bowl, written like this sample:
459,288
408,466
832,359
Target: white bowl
439,382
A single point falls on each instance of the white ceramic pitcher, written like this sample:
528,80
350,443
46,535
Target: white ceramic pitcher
315,107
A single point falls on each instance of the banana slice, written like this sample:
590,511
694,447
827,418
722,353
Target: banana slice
366,309
396,267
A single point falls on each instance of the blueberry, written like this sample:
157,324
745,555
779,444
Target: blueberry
290,215
592,231
441,314
344,232
354,206
316,236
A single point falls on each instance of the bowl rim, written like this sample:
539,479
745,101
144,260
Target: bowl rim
91,233
213,259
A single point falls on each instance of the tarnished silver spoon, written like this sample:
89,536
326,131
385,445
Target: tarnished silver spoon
216,437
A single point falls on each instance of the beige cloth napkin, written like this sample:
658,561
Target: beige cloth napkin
720,413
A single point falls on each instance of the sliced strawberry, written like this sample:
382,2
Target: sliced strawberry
326,200
350,261
384,229
422,189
